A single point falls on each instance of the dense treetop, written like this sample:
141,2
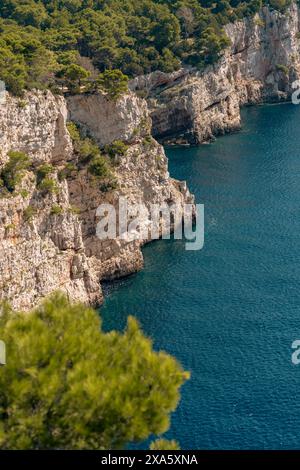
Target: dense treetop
45,42
69,385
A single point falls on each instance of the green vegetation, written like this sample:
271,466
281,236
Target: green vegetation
24,193
279,4
282,68
29,213
109,185
13,171
113,82
56,210
69,385
99,166
74,132
74,210
75,77
84,147
43,171
67,171
66,43
44,181
117,149
48,185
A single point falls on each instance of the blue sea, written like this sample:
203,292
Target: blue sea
230,312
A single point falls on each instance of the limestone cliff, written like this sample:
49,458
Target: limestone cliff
260,66
47,238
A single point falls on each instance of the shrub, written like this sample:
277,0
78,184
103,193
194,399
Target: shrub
109,185
99,167
24,193
44,171
279,5
83,146
13,170
164,444
148,141
259,22
10,227
66,172
56,210
48,185
22,104
75,76
114,83
73,131
282,68
87,150
117,149
74,210
29,213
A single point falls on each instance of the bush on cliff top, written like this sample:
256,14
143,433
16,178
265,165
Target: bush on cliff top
113,82
69,385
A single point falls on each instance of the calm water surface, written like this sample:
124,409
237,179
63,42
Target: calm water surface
230,312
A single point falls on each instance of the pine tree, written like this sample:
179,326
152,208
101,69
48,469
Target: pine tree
69,385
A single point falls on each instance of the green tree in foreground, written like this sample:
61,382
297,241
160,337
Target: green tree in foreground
69,385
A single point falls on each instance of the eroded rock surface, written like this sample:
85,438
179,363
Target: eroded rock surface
260,66
48,238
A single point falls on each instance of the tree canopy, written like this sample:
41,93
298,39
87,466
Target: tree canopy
47,42
69,385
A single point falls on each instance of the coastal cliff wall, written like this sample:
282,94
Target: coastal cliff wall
261,64
48,237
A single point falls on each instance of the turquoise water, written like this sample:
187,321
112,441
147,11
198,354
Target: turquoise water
230,312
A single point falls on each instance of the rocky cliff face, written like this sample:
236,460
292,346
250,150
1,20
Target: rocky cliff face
260,66
47,238
142,175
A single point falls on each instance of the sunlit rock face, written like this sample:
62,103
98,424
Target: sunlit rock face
43,248
260,66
